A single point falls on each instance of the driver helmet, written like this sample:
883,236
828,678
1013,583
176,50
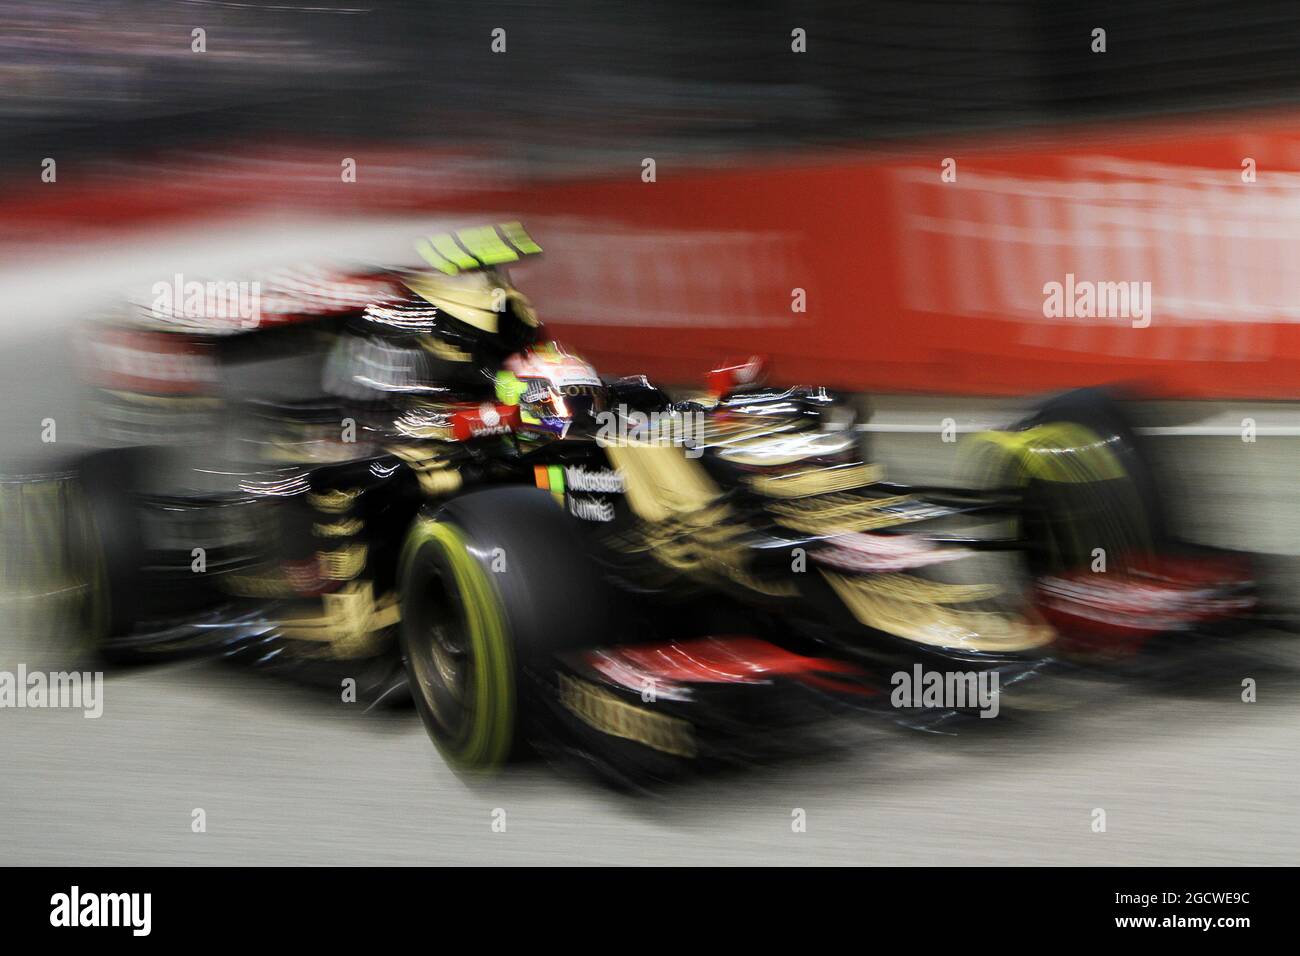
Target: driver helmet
559,395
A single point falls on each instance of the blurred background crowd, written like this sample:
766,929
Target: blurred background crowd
120,78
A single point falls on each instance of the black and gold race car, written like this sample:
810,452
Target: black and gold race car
390,480
737,573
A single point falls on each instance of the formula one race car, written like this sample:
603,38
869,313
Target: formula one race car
738,573
401,483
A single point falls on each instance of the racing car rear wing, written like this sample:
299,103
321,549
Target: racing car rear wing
478,247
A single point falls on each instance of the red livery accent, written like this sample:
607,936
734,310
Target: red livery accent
155,363
719,660
485,419
1119,611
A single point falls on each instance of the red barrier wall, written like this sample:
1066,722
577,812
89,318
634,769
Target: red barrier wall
914,283
911,281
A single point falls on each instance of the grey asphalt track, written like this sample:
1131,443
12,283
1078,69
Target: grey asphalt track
287,776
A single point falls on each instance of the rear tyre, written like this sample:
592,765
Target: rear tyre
493,586
1086,487
1097,410
51,571
111,546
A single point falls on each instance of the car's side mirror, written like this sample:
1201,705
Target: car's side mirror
728,378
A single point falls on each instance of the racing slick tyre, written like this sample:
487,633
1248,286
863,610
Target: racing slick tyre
1086,486
112,549
493,585
1097,410
50,575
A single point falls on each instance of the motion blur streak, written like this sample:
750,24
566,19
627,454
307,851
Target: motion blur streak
865,246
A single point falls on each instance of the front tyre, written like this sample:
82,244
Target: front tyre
492,587
458,655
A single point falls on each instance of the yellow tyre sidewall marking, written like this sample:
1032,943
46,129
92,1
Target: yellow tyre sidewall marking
492,719
1037,453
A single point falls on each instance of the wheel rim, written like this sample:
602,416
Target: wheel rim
441,659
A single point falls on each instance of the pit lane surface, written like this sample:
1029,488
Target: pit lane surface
288,775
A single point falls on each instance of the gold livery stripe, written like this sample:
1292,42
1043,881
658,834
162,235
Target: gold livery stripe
817,481
600,709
